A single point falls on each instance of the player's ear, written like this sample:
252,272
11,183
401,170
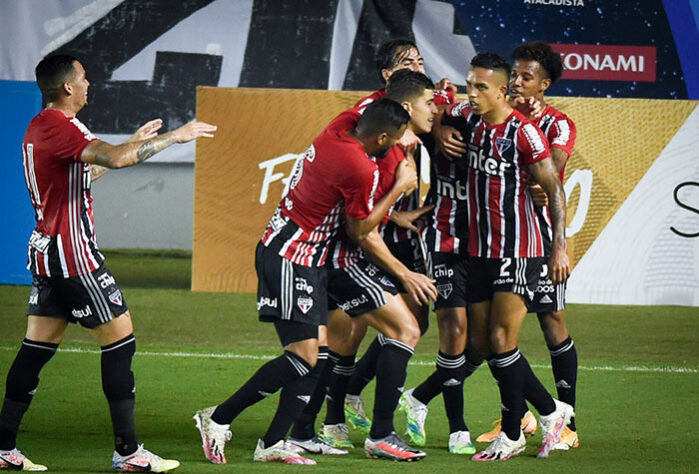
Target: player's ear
503,89
67,88
385,73
545,84
407,106
382,138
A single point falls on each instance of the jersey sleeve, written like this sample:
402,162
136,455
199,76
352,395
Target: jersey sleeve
443,97
460,109
532,143
71,138
562,135
358,190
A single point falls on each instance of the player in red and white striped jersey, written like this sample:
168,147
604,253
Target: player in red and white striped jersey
70,284
505,246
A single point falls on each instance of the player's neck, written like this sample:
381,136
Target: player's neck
498,115
69,110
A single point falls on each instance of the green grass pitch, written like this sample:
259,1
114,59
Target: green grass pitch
638,387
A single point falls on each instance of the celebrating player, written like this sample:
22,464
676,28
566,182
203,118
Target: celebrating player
70,282
535,69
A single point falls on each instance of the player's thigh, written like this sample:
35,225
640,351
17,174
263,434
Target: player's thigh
507,312
452,329
115,330
344,332
395,320
421,311
46,329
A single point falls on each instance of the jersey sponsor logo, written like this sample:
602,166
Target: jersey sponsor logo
503,144
371,270
39,241
301,284
305,303
452,188
106,280
277,222
266,301
445,290
534,139
504,281
80,126
288,204
545,289
116,298
353,303
488,164
442,271
34,296
81,313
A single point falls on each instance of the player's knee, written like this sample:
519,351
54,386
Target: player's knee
117,378
498,340
409,333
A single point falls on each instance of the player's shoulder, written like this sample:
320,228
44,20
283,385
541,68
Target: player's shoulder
376,95
557,114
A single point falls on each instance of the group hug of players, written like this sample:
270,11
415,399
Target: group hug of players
350,247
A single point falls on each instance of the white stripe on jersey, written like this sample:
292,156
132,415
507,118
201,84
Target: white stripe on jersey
62,255
488,138
287,244
287,288
46,264
374,289
518,184
563,133
30,177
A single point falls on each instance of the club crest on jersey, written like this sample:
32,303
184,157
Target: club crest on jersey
305,303
386,281
116,298
445,290
502,144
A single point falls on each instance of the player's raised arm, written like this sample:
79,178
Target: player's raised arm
135,152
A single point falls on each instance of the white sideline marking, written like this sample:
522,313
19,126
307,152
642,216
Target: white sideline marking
213,355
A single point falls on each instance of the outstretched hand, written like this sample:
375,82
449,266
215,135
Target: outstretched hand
193,130
531,107
406,219
420,287
146,131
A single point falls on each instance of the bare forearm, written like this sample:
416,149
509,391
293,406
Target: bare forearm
363,227
560,158
375,246
126,154
545,174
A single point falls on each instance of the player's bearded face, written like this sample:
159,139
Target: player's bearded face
527,79
423,112
387,141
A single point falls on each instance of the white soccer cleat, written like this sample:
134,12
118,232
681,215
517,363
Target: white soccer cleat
314,445
415,416
213,436
502,448
280,452
460,443
16,461
392,447
552,427
142,461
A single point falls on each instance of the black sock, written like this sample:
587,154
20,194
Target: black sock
534,392
269,378
118,386
337,389
293,399
429,388
391,370
564,362
510,375
20,386
469,366
304,427
453,373
365,368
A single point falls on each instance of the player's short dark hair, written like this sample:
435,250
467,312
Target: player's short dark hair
405,84
541,52
389,53
491,61
382,115
52,72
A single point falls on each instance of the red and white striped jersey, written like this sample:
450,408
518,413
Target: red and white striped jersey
560,132
501,215
63,242
333,178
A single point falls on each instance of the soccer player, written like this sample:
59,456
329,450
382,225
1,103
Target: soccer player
536,67
366,293
70,282
505,245
332,183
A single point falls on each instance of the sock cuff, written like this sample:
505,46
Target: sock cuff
46,346
507,358
448,361
323,353
300,365
388,342
562,347
120,343
333,356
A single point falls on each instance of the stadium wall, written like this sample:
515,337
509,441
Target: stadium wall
632,186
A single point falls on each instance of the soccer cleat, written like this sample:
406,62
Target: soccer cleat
552,427
569,439
213,436
142,461
502,448
355,414
392,447
460,443
16,461
282,452
314,446
336,436
529,426
415,415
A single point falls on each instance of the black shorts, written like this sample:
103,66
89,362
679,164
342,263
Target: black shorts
288,291
410,255
548,298
91,299
450,275
359,288
508,275
291,331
